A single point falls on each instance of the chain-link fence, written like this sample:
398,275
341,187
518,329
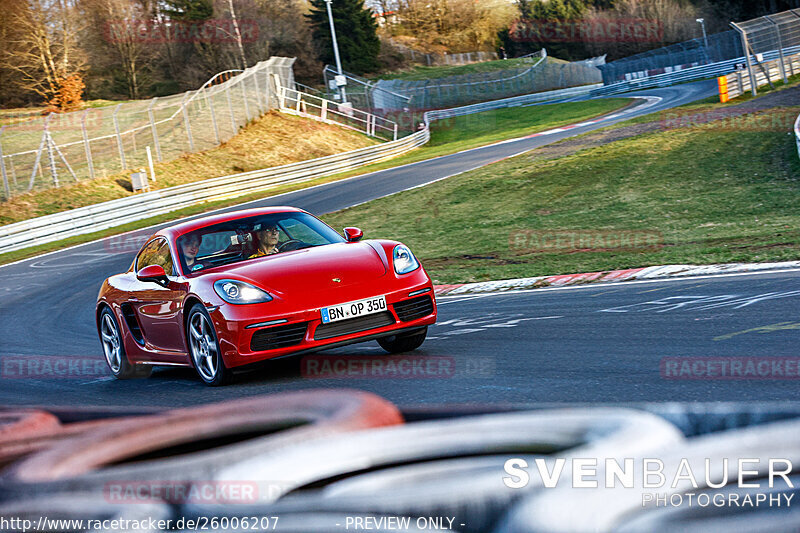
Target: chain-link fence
713,49
431,60
778,33
385,96
64,148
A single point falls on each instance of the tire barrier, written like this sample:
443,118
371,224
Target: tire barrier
320,458
186,444
439,468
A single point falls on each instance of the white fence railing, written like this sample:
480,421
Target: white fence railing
318,108
106,215
739,82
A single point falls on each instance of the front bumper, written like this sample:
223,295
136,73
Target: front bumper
303,331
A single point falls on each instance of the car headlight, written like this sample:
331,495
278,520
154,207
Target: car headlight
404,260
239,292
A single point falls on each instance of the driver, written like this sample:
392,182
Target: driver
190,247
268,237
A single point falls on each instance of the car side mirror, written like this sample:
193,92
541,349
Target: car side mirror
353,234
153,273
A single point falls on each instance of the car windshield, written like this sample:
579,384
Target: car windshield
251,238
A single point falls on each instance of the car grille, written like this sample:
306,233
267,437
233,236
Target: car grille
413,309
279,337
353,325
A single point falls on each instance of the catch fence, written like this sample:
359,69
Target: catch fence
777,33
715,48
387,96
64,148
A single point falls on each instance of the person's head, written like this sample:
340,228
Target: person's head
268,235
190,245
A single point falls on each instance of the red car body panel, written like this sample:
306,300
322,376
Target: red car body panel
300,282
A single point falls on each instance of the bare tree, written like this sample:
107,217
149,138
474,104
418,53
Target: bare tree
117,43
44,48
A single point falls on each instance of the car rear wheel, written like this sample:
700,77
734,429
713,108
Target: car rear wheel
114,349
204,348
403,342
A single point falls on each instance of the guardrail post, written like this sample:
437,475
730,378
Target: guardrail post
153,128
3,168
119,138
323,113
86,148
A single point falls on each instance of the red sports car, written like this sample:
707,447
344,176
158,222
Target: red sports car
229,290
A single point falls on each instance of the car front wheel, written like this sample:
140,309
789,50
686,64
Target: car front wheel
114,349
204,348
403,342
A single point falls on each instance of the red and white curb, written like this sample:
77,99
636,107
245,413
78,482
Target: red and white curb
647,273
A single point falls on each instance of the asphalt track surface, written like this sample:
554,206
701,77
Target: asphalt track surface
594,343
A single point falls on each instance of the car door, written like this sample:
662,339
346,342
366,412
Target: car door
158,307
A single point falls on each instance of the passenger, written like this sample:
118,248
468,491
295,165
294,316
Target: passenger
267,241
190,246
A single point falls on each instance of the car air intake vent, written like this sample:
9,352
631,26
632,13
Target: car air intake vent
353,325
413,309
278,337
133,324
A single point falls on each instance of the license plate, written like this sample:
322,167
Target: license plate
369,306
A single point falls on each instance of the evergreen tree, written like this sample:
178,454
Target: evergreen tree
356,33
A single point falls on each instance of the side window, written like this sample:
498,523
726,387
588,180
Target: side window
156,252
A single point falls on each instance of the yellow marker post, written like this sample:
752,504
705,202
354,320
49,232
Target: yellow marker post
723,89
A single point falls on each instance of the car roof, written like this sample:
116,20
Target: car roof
173,232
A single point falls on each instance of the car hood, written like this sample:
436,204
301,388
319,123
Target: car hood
311,269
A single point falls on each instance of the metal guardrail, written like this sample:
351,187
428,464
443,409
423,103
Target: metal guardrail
712,70
740,82
90,219
50,228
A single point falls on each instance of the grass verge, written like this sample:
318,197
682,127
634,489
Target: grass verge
710,194
446,137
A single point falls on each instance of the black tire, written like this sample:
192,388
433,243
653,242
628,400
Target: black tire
204,350
404,342
114,349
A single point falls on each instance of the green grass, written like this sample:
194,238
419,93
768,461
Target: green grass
715,196
419,72
471,131
446,137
